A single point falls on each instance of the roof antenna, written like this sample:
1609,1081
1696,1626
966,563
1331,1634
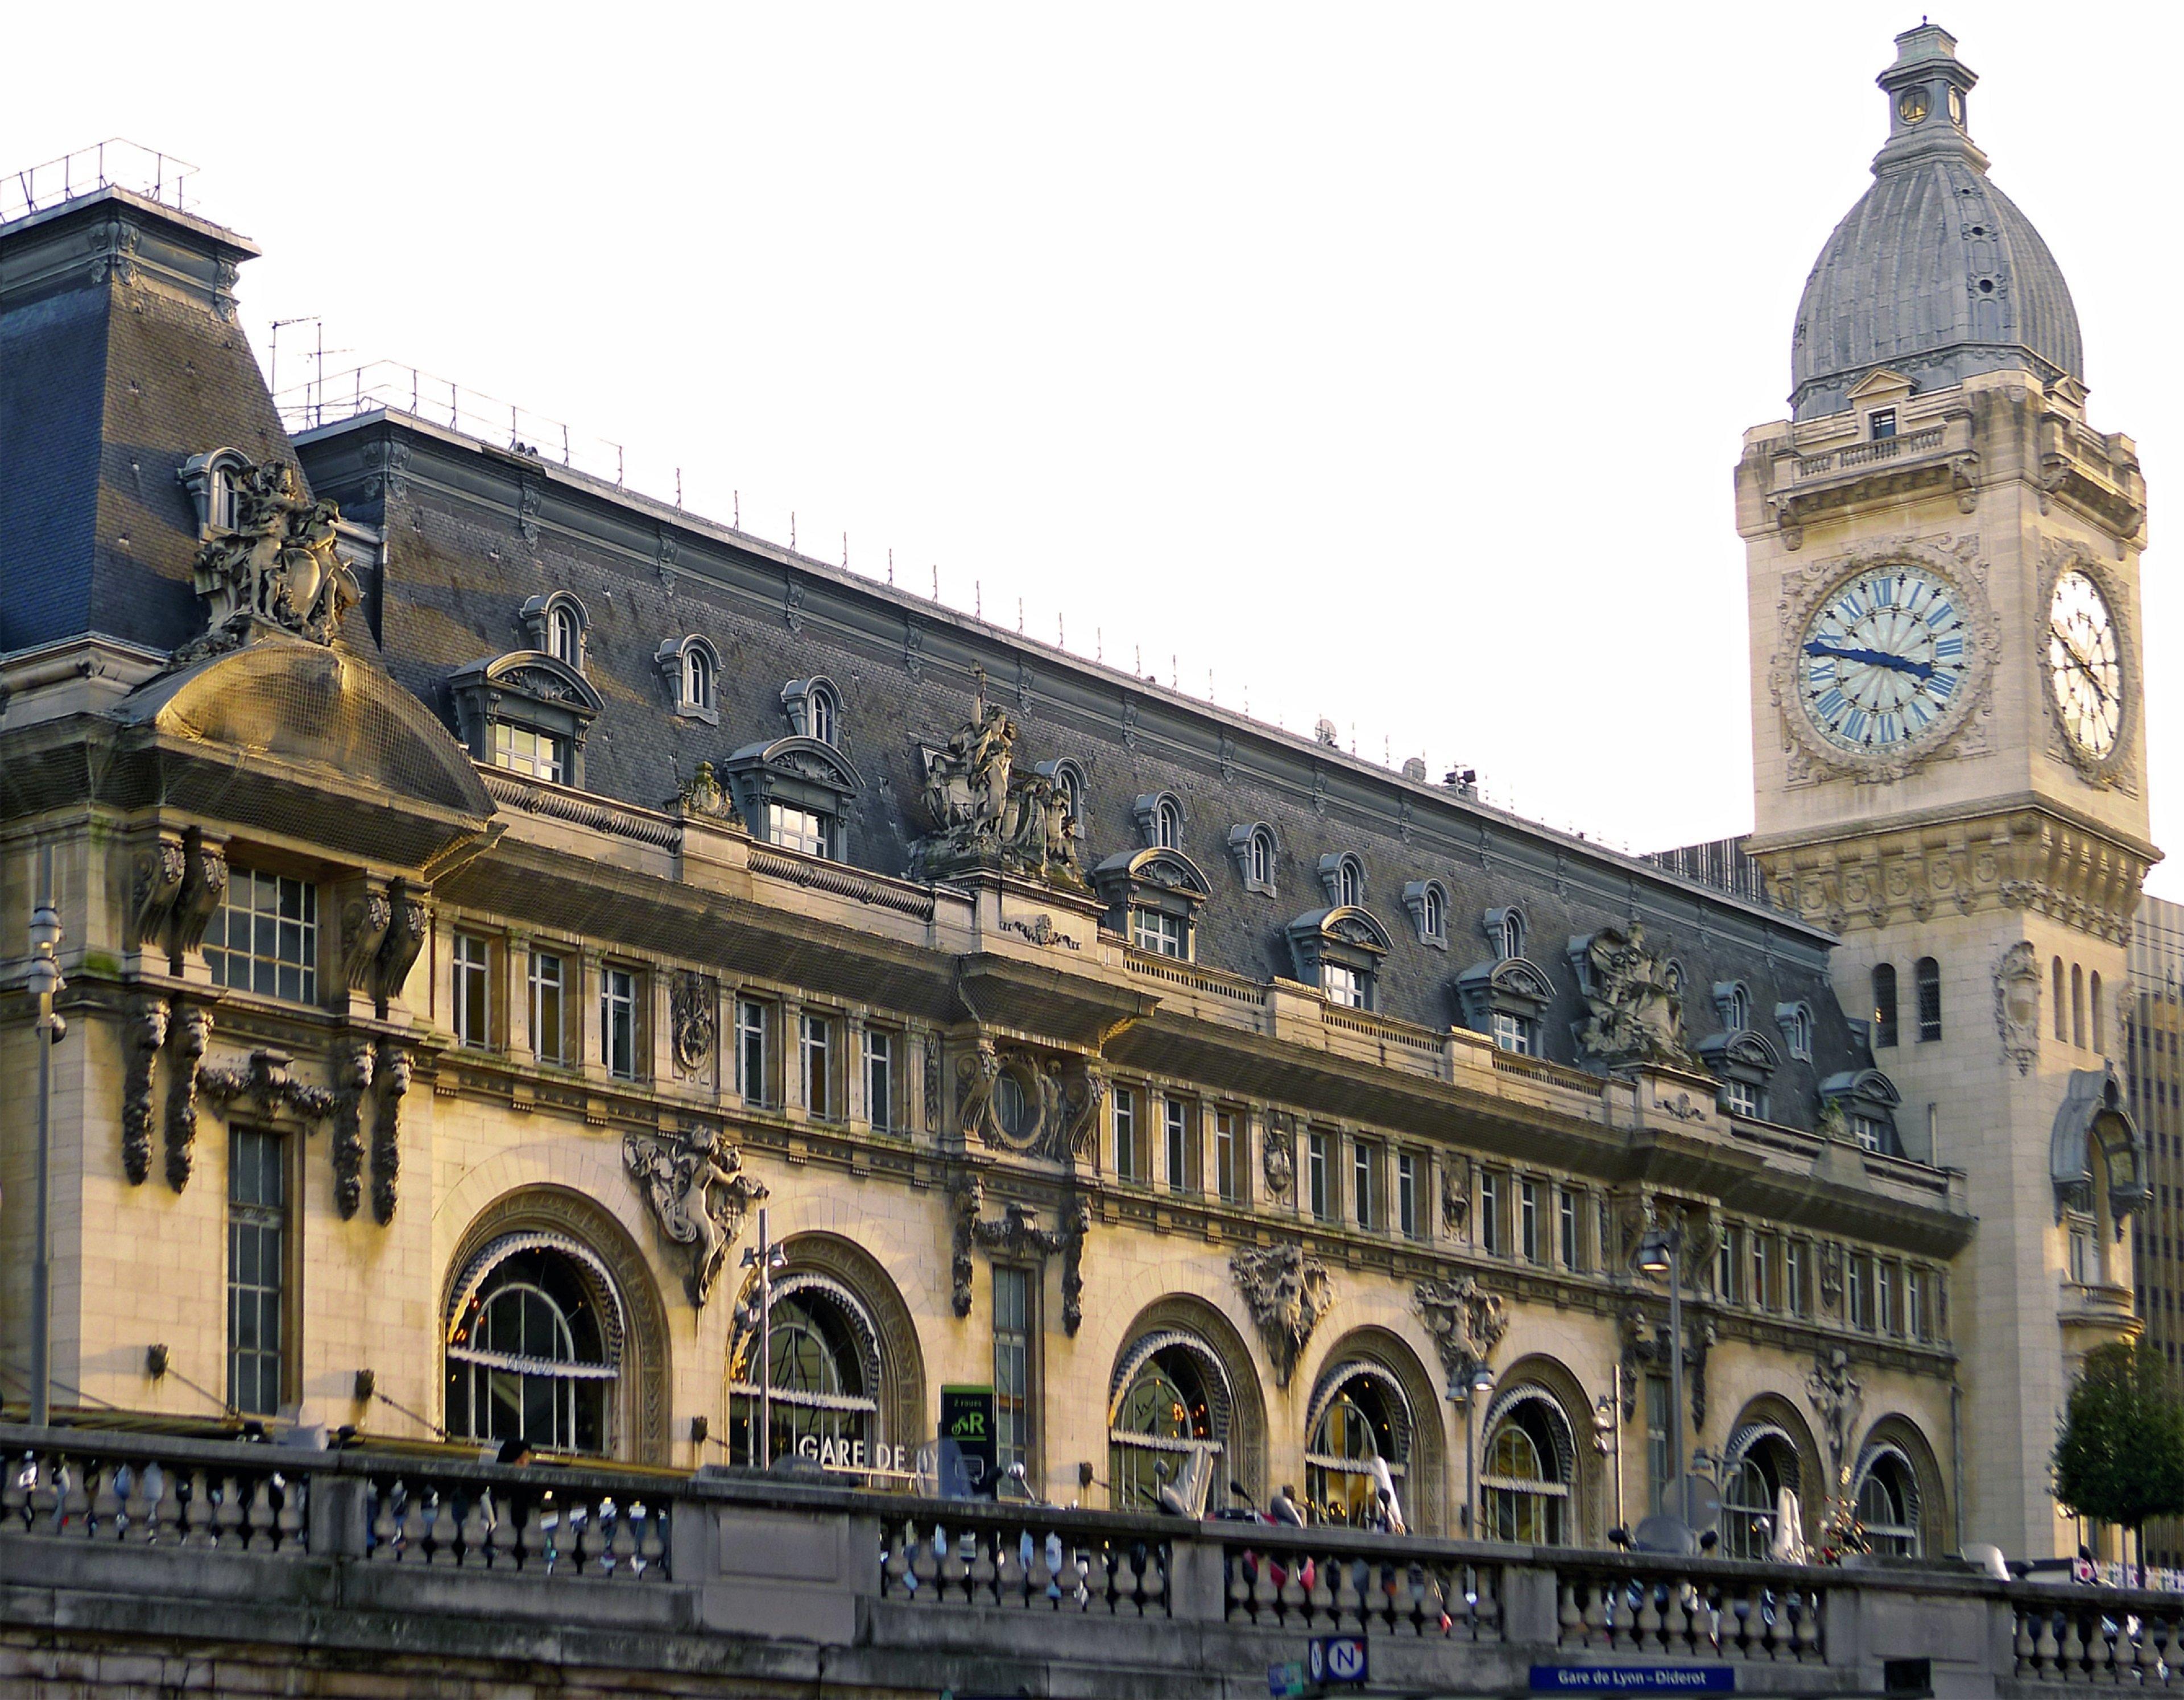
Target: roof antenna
678,487
739,519
1020,613
845,549
792,529
936,580
890,567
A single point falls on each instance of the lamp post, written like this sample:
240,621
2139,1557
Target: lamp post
1661,1252
1471,1390
766,1256
43,980
1604,1437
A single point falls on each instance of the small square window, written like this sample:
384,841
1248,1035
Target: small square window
800,829
538,755
1883,422
1514,1034
1342,985
1740,1097
1161,934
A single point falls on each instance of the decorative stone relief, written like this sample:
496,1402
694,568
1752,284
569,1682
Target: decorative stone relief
792,605
1838,1397
1831,1276
705,797
913,648
1454,1193
394,1070
1287,1293
1466,1323
698,1194
155,881
1085,1094
364,920
966,1193
1079,1219
2017,1005
266,1081
192,1028
1635,1015
529,498
693,1004
932,1047
1278,1152
983,813
147,1033
405,937
1040,930
352,1067
1015,1233
276,566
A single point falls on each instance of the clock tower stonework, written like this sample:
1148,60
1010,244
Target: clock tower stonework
1948,741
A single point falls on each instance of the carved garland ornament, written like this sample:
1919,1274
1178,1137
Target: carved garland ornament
1960,728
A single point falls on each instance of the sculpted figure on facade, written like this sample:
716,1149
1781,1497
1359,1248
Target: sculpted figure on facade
393,1071
1287,1294
2017,1003
192,1027
276,563
1466,1323
1455,1193
352,1067
981,813
1635,1014
147,1033
694,1019
698,1194
708,799
1278,1152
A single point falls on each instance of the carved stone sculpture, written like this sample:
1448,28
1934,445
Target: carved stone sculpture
192,1027
405,937
204,883
706,798
265,1080
1454,1193
156,880
353,1064
1287,1293
980,812
147,1033
1278,1152
693,1003
364,922
277,565
1084,1096
2017,1005
393,1071
1466,1323
965,1196
1838,1397
1635,1014
698,1194
1079,1229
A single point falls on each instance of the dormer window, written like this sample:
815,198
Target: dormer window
1504,931
1427,900
216,482
1339,951
1159,816
1069,780
1795,1021
1153,897
1253,848
1882,422
527,713
1342,877
556,624
796,791
691,669
815,709
1734,1003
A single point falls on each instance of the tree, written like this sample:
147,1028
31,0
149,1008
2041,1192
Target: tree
2120,1456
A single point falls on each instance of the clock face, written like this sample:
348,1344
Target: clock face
1956,106
1911,106
1883,658
2084,667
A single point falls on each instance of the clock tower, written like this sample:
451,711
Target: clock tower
1948,741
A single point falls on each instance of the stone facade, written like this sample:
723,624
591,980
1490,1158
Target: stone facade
487,890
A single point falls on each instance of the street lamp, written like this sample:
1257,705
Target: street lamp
1661,1252
41,983
766,1257
1471,1389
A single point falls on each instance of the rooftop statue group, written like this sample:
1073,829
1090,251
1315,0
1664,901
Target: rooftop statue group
275,561
1635,1012
985,814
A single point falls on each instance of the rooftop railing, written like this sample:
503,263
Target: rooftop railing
113,163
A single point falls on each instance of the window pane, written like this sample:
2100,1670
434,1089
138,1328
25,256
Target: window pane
257,1222
265,937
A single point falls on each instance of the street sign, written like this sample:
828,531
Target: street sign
1634,1679
1285,1681
1336,1658
967,1418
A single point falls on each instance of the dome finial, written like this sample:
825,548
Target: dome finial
1928,88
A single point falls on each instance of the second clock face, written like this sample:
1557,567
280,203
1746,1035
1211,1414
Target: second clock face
1883,659
2085,669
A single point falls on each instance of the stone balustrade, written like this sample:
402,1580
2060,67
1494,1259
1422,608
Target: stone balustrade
448,1568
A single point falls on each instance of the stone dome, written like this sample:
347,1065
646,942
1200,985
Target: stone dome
1934,273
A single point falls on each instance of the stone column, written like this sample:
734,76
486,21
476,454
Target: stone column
591,1052
854,1110
792,1059
514,986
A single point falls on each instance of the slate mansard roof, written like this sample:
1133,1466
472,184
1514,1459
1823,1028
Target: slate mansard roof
119,349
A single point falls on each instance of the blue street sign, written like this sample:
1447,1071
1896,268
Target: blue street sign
1285,1681
1336,1658
1634,1679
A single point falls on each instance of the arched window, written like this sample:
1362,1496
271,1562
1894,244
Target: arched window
534,1347
1363,1417
1509,934
564,635
1888,1504
697,678
1436,915
1736,1009
1525,1476
1751,1502
2100,1023
1167,825
227,496
822,1370
1353,882
2077,1004
1263,857
1884,1005
1797,1030
1169,1422
2062,1032
823,715
1926,981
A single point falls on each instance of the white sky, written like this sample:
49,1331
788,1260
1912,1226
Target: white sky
1388,362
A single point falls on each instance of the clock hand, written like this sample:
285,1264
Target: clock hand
1879,658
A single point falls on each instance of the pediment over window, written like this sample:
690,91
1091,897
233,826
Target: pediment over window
2097,1144
531,689
1742,1056
1148,872
1510,986
1345,933
798,762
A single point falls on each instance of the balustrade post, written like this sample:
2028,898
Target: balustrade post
1197,1580
337,1523
1531,1608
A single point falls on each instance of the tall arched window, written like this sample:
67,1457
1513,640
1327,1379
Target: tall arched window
1263,857
823,715
1883,1004
1167,825
1171,1410
697,678
824,1373
1436,915
1926,981
1352,884
2062,1031
1752,1493
1888,1504
534,1347
1525,1477
2100,1023
1736,1009
1512,941
565,636
1362,1416
2077,1004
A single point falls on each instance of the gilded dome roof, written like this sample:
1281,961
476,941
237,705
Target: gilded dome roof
1934,273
